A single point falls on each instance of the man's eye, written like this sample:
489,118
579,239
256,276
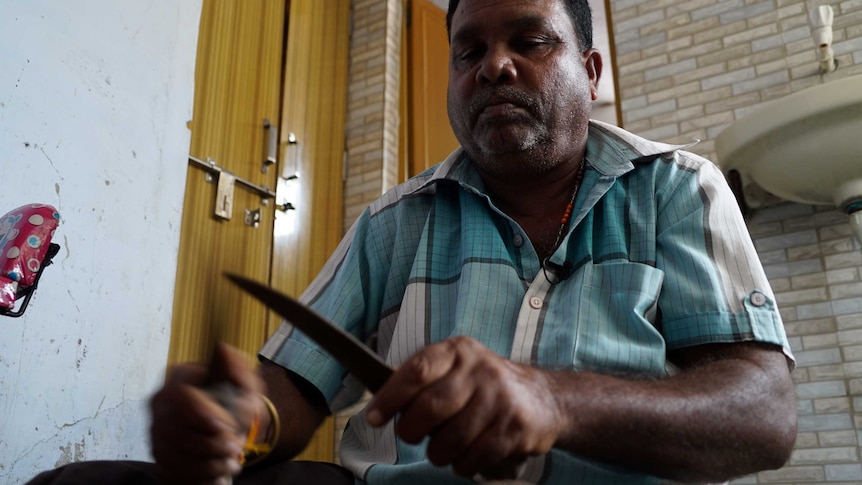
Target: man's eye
467,54
528,45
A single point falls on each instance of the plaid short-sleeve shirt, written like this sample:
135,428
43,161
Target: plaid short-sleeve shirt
657,258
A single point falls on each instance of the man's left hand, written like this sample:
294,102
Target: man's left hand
482,413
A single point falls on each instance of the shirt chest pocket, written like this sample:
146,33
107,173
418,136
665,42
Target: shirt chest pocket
614,307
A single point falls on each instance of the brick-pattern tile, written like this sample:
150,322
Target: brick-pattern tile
813,262
760,50
372,113
691,78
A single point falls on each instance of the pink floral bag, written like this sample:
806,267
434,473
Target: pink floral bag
25,250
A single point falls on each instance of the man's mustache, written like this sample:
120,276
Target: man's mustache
502,94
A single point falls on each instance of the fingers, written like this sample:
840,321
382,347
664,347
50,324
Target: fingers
235,385
509,468
195,439
448,441
493,455
440,402
183,405
230,365
479,439
481,413
410,380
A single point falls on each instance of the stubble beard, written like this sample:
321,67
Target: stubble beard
524,157
515,146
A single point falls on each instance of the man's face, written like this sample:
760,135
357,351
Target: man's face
520,89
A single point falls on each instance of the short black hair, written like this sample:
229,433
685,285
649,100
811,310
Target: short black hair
579,11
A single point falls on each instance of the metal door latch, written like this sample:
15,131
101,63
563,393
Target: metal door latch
227,182
252,218
224,195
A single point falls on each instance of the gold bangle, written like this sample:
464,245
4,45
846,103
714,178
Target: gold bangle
274,423
254,453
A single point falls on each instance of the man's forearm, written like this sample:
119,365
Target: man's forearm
727,414
299,415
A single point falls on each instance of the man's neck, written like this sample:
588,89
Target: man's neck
536,202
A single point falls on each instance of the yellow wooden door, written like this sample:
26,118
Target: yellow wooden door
237,86
314,114
429,134
250,69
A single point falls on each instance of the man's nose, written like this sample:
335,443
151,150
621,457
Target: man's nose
497,67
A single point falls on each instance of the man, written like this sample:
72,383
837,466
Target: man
563,302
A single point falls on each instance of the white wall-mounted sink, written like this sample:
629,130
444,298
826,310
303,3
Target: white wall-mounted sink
805,147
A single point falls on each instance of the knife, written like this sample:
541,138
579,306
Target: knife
361,361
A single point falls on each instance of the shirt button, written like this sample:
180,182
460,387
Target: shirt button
758,299
536,302
518,240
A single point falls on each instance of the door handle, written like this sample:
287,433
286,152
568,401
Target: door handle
271,143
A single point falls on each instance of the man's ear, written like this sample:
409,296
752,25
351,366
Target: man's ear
593,65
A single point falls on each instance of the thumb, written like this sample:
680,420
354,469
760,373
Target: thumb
230,364
228,375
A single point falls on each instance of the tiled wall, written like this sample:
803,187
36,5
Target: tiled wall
372,103
814,263
372,115
687,69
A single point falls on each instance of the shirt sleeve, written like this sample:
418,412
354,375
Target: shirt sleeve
338,294
715,289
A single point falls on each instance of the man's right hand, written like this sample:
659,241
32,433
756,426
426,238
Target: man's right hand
195,440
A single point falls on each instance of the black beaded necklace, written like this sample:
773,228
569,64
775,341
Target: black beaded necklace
564,220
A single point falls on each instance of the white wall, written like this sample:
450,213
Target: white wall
94,100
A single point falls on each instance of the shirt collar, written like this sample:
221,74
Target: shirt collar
612,151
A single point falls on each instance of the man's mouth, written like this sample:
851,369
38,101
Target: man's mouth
499,107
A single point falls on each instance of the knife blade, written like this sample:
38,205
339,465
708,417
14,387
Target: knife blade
357,358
